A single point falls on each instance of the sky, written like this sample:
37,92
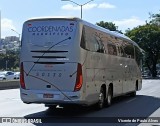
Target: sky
124,13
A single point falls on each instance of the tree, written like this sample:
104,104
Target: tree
109,25
148,38
9,60
155,19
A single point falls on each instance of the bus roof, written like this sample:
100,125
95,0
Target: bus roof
53,18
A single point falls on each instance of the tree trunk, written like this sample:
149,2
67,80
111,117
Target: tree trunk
154,70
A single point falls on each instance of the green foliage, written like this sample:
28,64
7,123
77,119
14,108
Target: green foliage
109,25
155,19
148,38
9,60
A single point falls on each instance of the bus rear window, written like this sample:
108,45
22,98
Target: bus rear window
45,33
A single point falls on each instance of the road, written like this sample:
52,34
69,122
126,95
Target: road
145,104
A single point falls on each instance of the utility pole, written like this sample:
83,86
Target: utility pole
81,5
19,37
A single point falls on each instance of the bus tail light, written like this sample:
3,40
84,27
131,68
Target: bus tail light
22,83
79,79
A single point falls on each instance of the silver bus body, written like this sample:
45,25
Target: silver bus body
68,61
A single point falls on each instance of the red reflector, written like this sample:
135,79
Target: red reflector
22,77
79,79
29,25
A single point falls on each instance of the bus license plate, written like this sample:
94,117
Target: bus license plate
48,95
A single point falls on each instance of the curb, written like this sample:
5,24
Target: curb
9,84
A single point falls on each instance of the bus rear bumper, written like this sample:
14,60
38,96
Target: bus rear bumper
51,97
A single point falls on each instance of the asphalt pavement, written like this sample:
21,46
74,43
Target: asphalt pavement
124,109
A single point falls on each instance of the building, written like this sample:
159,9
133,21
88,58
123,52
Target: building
9,43
11,39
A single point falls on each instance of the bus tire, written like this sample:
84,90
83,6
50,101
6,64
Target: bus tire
133,94
101,99
109,97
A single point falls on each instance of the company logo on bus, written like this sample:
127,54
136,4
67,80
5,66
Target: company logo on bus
50,30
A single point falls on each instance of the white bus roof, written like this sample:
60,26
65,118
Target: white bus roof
53,17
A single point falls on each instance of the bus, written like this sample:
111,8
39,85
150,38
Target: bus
68,61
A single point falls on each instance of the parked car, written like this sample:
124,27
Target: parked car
9,75
2,76
16,75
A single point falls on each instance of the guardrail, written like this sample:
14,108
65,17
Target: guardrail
9,84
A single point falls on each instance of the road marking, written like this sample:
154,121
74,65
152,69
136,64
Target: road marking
131,100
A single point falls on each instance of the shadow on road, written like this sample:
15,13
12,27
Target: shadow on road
125,106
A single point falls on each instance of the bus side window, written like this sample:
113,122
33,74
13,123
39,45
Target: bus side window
122,53
88,40
100,45
83,42
94,45
85,39
128,49
138,55
112,49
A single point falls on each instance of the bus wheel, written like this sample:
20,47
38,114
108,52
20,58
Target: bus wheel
133,94
109,97
101,99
